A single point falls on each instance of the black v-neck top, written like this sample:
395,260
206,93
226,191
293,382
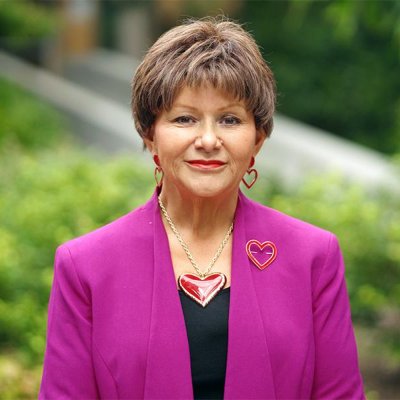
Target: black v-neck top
207,331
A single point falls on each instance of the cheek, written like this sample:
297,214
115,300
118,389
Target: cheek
243,151
240,163
169,152
241,158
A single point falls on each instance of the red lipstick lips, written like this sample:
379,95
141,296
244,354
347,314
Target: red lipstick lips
206,164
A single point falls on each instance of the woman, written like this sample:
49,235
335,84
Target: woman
201,292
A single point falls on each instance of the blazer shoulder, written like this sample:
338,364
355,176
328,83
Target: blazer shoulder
293,236
133,221
120,238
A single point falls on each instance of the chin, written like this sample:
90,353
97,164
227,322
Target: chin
208,191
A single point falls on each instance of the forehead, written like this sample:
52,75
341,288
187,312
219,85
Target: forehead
206,96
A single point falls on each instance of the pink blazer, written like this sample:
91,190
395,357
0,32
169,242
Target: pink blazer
116,328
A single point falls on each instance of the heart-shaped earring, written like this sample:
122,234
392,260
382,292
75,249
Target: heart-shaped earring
158,172
251,173
158,176
251,182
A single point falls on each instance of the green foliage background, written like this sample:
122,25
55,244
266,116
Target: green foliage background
336,63
22,21
51,192
25,121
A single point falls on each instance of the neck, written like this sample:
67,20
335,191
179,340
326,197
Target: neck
201,216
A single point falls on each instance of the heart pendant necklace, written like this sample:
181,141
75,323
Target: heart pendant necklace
203,286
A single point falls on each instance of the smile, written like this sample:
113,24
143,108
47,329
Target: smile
206,164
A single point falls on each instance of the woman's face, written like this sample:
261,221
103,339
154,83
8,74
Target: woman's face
205,142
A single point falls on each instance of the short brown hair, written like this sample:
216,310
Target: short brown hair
211,50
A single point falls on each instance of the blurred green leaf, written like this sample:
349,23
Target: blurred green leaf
22,21
336,64
27,122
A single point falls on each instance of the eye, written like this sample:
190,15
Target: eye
184,119
230,120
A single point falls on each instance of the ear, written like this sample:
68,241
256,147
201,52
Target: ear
150,143
260,139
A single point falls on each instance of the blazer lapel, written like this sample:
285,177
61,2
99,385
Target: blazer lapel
248,373
168,373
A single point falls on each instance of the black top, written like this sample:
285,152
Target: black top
207,331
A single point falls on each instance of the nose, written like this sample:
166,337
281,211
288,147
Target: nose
207,138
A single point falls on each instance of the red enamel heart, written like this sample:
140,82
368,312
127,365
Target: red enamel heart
202,290
261,254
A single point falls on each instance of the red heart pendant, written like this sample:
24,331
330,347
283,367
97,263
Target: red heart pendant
261,254
202,290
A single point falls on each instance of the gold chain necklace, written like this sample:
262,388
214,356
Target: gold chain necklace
204,286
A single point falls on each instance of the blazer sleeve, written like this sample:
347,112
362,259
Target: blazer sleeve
68,371
337,374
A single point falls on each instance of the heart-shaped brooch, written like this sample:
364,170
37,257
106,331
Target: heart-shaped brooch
202,290
261,254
